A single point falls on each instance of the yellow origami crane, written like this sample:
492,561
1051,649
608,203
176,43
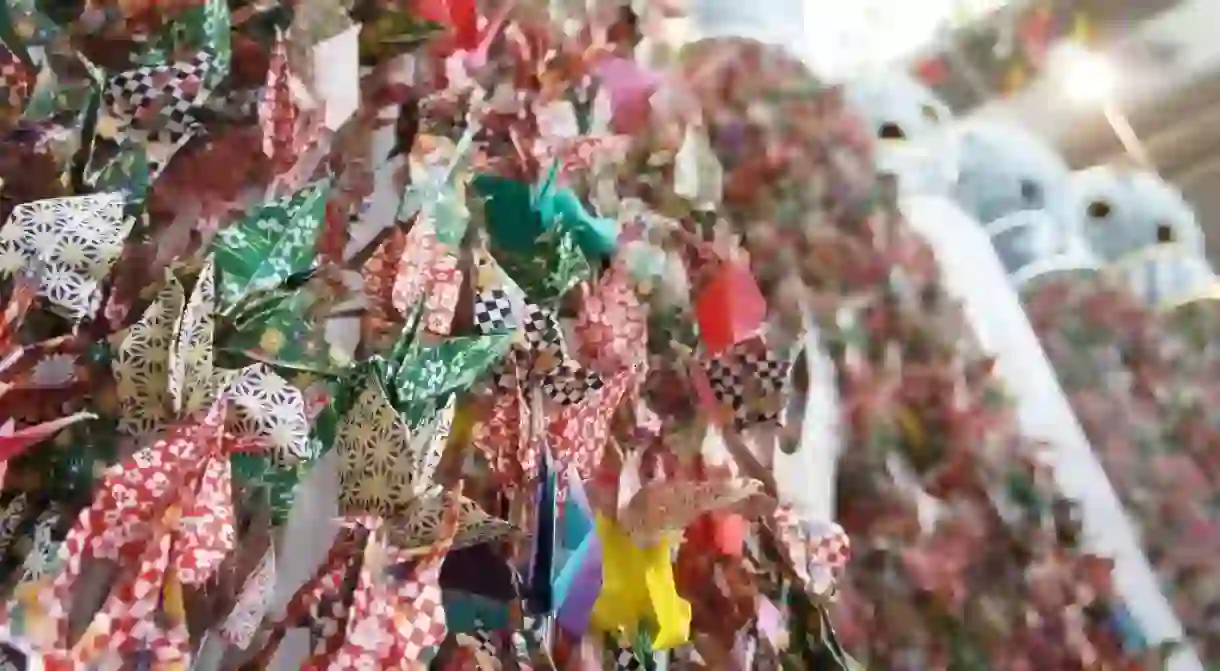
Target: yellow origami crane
638,547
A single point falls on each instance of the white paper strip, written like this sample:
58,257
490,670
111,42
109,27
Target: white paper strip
973,274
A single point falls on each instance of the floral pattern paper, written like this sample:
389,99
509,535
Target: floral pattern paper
274,241
243,621
165,515
428,272
73,241
391,615
164,369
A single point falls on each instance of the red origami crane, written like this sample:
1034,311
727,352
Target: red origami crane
17,367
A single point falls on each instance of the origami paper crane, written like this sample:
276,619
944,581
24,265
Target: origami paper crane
74,241
272,311
166,373
543,256
273,243
561,143
396,513
578,564
518,215
387,470
500,307
165,516
421,266
584,400
637,543
391,618
147,113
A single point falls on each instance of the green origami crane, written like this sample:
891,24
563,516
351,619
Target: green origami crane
543,236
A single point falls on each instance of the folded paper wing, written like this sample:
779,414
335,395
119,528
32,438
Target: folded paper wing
730,308
13,442
393,614
165,372
666,507
74,241
386,470
165,516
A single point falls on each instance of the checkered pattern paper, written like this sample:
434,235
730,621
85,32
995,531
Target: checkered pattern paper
162,542
493,312
816,552
389,617
16,81
155,103
562,379
478,650
626,660
569,383
752,380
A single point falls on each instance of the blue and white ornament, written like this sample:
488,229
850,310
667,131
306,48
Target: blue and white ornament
1123,212
1167,276
1004,169
912,128
1033,244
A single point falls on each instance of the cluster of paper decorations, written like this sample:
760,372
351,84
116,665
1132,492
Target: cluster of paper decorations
510,398
1112,266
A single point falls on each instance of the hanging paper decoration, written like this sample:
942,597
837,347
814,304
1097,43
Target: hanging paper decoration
275,241
287,133
535,301
73,241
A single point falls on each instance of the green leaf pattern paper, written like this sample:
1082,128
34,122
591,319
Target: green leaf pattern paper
206,27
52,96
438,192
549,271
274,484
273,242
454,365
283,334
